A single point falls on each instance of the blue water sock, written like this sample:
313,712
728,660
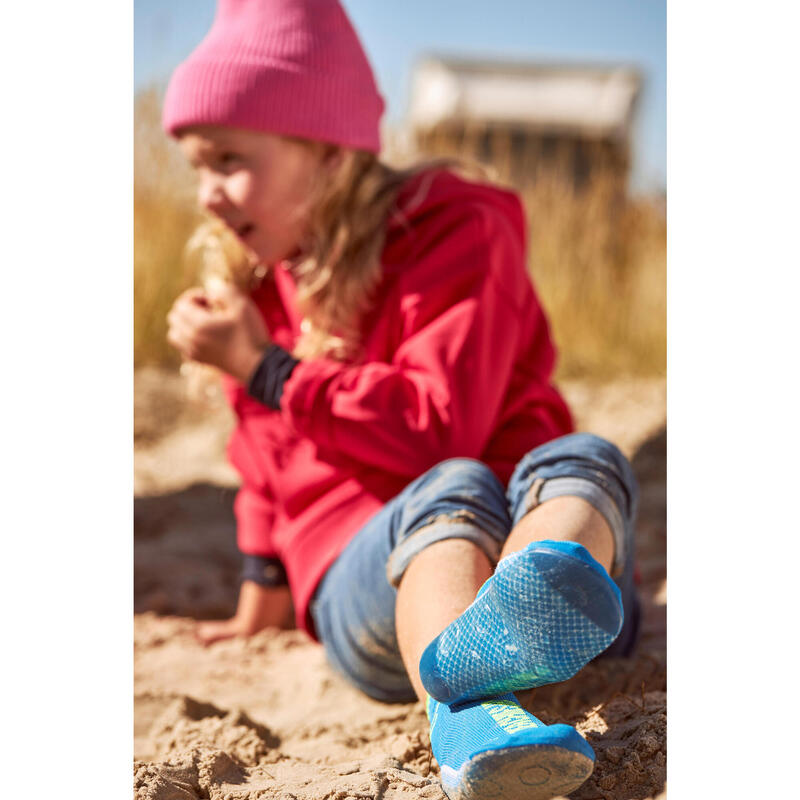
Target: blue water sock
547,611
496,749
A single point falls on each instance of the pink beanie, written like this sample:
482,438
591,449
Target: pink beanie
291,67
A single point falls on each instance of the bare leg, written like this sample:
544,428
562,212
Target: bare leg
565,519
436,589
437,586
445,577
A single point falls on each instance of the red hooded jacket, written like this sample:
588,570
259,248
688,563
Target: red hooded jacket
458,359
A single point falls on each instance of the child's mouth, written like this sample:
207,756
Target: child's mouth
245,230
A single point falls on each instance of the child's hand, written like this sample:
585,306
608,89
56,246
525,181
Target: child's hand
219,629
224,330
259,607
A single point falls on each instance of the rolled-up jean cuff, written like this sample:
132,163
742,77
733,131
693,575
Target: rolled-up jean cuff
438,531
595,495
263,570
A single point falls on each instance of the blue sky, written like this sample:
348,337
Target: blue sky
396,34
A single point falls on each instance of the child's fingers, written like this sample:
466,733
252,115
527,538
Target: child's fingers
189,313
193,295
209,632
182,334
190,302
178,325
179,340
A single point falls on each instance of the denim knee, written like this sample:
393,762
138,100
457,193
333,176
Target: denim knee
582,465
363,649
460,498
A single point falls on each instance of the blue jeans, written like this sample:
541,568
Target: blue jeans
354,606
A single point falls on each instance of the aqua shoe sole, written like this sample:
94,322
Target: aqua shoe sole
521,773
546,612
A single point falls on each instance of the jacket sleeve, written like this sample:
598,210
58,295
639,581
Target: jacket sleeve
457,309
254,519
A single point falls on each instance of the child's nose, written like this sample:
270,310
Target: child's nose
210,194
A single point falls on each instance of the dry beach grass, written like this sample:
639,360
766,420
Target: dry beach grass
598,260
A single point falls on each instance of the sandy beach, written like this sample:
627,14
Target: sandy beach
266,717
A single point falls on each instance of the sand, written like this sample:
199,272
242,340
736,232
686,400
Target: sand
266,717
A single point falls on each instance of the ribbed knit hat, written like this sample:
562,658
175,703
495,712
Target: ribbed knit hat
290,67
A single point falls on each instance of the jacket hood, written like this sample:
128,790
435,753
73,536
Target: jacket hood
434,191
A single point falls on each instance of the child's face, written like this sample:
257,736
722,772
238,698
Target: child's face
256,183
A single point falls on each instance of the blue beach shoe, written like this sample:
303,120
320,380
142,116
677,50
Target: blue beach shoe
546,612
497,749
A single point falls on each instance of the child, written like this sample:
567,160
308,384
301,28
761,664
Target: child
406,464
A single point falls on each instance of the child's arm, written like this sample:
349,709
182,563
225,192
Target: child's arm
468,323
259,607
264,597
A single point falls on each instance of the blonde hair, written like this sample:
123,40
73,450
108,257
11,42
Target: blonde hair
340,263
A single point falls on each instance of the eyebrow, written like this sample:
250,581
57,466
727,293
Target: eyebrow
208,148
205,151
